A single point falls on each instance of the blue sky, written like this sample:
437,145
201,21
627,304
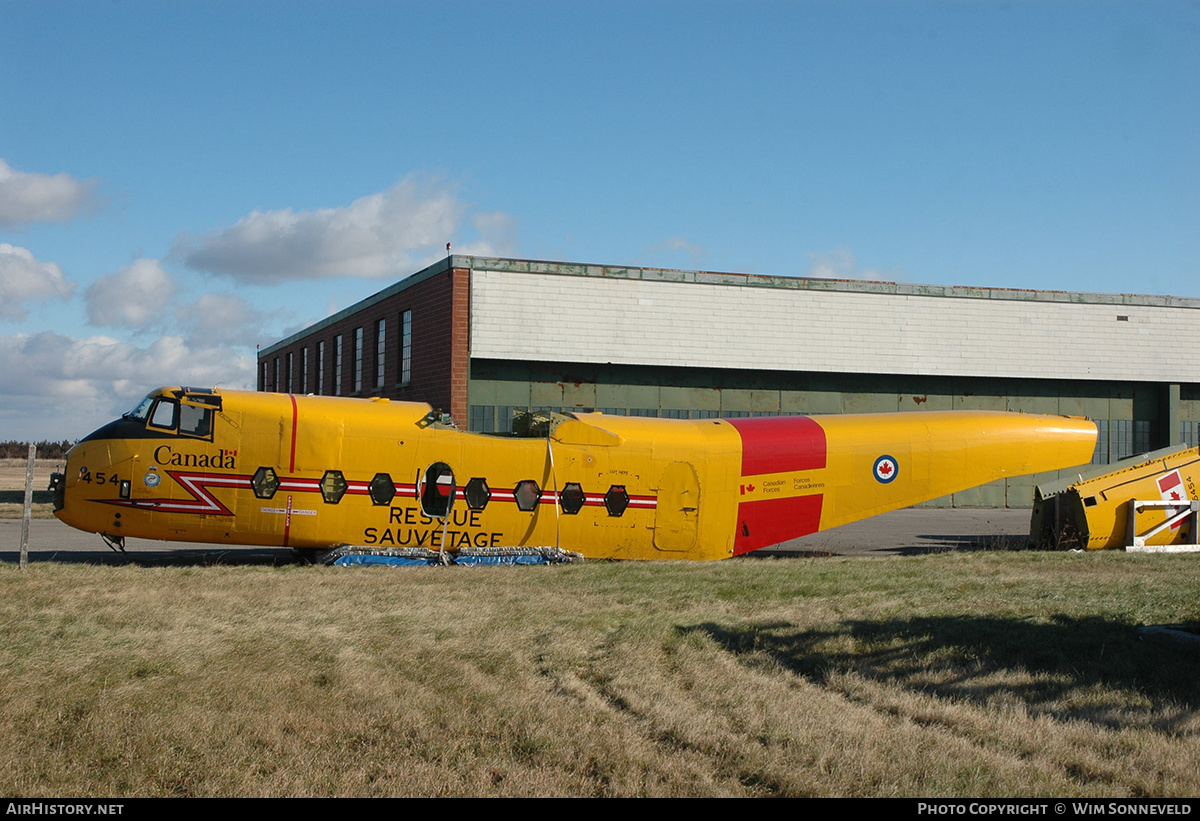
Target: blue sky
182,181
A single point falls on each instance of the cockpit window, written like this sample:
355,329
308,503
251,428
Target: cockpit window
142,411
163,415
189,412
195,420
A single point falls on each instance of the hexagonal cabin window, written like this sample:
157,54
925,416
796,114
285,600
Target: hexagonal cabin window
572,498
265,482
527,494
616,500
383,489
478,493
333,486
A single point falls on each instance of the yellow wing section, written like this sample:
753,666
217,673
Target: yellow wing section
812,473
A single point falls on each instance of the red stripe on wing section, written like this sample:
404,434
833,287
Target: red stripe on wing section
778,444
775,444
771,521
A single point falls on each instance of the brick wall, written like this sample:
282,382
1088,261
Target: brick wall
438,349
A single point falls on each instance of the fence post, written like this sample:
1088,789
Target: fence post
28,507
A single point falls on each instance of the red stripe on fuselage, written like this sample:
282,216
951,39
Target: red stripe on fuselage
776,444
295,416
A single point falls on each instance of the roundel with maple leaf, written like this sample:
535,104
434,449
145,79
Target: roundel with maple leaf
885,469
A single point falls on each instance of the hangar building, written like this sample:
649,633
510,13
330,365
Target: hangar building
482,338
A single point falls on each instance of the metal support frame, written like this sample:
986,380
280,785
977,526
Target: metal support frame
1189,510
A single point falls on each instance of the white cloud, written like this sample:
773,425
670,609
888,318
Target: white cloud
23,277
27,198
224,317
57,387
135,296
498,235
384,234
840,263
676,252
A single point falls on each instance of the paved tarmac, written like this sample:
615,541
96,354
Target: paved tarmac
900,533
914,531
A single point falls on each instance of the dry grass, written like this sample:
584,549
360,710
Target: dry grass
17,511
988,674
12,477
12,473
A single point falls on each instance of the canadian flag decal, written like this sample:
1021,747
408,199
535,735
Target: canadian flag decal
1171,488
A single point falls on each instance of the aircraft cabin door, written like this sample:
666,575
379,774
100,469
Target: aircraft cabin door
438,490
677,516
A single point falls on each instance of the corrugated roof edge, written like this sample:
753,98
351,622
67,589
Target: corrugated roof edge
812,284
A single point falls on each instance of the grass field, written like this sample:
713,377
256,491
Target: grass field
983,674
12,473
12,477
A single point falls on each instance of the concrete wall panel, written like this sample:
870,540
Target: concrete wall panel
726,321
810,402
493,392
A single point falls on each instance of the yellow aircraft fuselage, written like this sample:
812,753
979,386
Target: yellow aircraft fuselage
316,472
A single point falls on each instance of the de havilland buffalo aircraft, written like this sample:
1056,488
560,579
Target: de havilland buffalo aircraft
316,473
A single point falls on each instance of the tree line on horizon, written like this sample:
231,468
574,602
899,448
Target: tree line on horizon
45,450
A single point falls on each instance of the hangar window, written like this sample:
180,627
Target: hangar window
482,419
1129,437
337,365
380,349
405,348
358,359
504,417
1100,455
321,368
1189,433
